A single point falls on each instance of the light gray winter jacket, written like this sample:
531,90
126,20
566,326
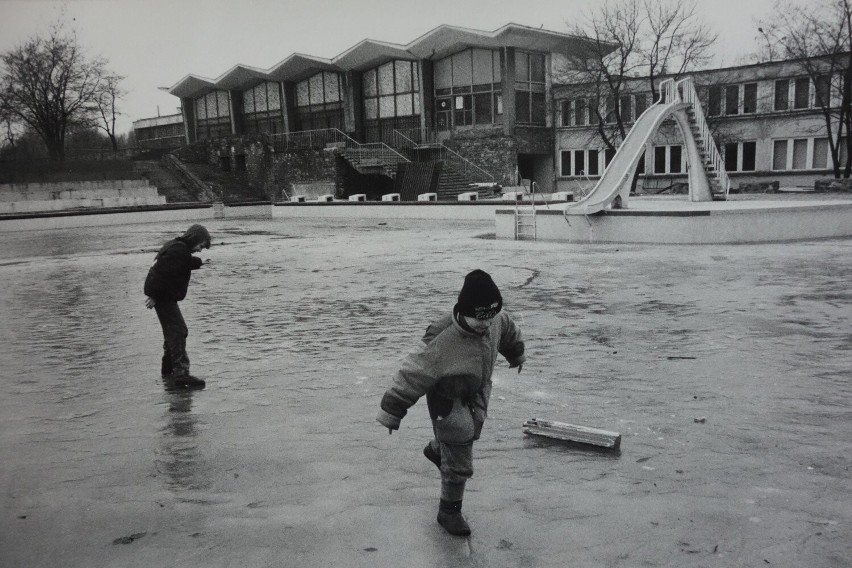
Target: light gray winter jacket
454,363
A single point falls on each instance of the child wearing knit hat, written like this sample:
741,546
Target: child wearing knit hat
165,285
453,370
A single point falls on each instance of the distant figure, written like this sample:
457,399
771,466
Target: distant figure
165,286
453,369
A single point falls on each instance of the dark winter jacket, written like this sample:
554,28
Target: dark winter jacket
455,363
168,278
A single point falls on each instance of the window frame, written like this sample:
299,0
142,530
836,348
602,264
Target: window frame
739,158
668,159
746,107
382,100
452,79
781,98
810,154
590,156
535,88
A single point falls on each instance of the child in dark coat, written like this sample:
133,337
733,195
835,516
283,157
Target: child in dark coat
165,286
453,369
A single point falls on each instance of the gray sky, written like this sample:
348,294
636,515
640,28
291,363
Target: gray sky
155,43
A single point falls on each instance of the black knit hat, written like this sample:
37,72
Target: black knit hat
197,235
479,297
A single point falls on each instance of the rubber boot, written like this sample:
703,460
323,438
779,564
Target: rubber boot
450,517
432,455
166,369
188,382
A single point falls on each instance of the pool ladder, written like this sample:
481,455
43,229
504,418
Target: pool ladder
525,229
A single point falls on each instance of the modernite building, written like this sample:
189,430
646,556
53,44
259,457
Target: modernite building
484,104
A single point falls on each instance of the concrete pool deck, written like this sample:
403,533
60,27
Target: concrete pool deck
667,220
749,218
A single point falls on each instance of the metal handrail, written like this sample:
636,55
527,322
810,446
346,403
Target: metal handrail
421,135
321,138
445,153
591,184
687,88
668,92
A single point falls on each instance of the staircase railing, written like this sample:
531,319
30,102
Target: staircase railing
668,92
421,135
468,168
358,153
686,88
187,178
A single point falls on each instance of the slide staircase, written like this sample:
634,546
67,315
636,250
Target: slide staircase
680,102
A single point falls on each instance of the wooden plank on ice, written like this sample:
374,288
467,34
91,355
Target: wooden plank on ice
572,433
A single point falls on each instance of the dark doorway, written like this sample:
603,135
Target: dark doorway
537,168
526,166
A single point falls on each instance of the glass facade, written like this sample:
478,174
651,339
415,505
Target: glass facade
530,107
213,115
391,94
468,89
262,109
319,102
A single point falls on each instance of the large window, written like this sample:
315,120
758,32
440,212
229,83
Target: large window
468,89
796,94
213,115
641,103
749,98
740,156
565,113
731,100
801,93
529,88
714,100
625,107
581,163
582,111
822,91
622,106
262,108
391,99
668,159
782,94
803,154
319,102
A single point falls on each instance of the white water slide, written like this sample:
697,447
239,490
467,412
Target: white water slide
616,179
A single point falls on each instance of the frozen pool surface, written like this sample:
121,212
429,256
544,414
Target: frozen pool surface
298,327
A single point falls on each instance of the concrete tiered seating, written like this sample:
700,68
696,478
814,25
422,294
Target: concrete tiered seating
37,197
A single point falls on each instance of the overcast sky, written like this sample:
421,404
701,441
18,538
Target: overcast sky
155,43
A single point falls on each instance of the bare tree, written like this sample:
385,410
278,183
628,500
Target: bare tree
49,85
7,123
676,41
817,35
633,42
104,108
635,39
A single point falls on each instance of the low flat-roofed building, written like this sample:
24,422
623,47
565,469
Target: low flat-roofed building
767,120
160,131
